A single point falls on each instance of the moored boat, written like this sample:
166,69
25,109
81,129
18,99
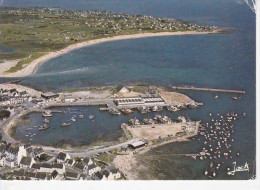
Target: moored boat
47,114
43,127
65,124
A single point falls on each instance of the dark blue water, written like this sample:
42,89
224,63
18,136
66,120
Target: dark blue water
219,61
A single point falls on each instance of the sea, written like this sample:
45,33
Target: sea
224,61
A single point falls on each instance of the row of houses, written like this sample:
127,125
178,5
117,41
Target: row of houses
24,160
88,168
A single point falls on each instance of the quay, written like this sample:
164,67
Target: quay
209,89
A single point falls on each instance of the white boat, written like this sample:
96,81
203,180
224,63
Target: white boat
91,116
47,114
73,119
65,124
216,97
81,116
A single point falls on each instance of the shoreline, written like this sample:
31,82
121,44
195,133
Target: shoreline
33,67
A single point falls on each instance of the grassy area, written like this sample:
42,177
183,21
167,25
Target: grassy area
105,157
35,31
24,62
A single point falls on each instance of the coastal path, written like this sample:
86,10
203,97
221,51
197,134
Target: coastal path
92,152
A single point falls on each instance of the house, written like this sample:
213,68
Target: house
72,175
115,172
123,90
18,173
49,95
41,176
93,169
99,176
70,162
137,144
35,167
62,157
88,161
24,94
60,168
26,162
81,167
30,175
2,148
9,162
2,160
21,153
49,168
54,175
37,152
107,174
46,167
12,151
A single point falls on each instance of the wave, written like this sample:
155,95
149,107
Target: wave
79,70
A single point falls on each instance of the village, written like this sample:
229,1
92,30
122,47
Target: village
25,161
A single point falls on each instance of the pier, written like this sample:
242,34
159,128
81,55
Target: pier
209,89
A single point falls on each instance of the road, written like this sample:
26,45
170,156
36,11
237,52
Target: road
92,152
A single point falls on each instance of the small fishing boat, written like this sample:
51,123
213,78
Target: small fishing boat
91,116
47,114
216,97
43,127
65,124
126,111
81,116
234,98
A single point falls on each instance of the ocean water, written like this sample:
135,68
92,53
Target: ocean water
217,60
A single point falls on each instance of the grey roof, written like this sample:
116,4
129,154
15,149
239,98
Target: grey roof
2,147
105,173
61,156
40,175
27,146
36,166
29,150
23,93
79,166
13,149
57,165
54,174
99,175
29,174
26,161
46,165
72,174
112,169
92,166
69,161
86,160
37,151
18,173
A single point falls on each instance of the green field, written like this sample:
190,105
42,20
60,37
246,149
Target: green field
35,31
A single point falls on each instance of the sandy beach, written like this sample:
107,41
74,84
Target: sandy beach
6,65
34,65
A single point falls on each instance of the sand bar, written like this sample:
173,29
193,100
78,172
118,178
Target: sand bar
35,64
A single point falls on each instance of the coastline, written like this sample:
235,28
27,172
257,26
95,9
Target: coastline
32,67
